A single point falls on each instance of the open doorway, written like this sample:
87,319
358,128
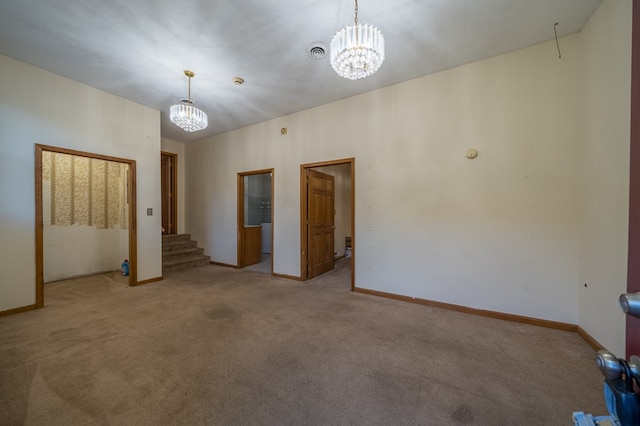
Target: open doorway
255,220
317,227
87,174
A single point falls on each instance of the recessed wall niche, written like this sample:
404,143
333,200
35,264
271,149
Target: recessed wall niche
85,215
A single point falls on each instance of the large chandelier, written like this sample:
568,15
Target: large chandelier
357,51
187,116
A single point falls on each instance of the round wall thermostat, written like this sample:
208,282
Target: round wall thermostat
472,153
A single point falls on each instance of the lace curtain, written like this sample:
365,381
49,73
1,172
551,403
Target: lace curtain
86,191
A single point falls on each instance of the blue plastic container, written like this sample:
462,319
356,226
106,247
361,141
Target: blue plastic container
124,268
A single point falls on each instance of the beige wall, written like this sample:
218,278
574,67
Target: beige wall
605,85
499,232
41,107
178,148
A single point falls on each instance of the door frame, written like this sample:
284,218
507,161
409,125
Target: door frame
632,331
240,220
304,229
174,196
39,222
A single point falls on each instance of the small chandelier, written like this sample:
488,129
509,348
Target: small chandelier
357,51
187,116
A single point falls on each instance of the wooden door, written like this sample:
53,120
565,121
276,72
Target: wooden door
321,227
168,168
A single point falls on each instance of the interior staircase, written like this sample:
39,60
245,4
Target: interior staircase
179,252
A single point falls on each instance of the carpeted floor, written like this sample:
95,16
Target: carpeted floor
263,266
219,346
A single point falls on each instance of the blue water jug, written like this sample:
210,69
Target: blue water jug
124,268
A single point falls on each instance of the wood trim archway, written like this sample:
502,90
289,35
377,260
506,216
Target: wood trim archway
39,223
304,237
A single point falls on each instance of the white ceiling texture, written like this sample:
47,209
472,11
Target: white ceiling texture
138,49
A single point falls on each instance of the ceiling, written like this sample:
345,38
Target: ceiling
139,49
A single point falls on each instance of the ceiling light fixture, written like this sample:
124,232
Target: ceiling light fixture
185,115
357,51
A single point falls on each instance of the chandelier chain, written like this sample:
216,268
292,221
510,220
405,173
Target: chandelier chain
356,20
189,92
